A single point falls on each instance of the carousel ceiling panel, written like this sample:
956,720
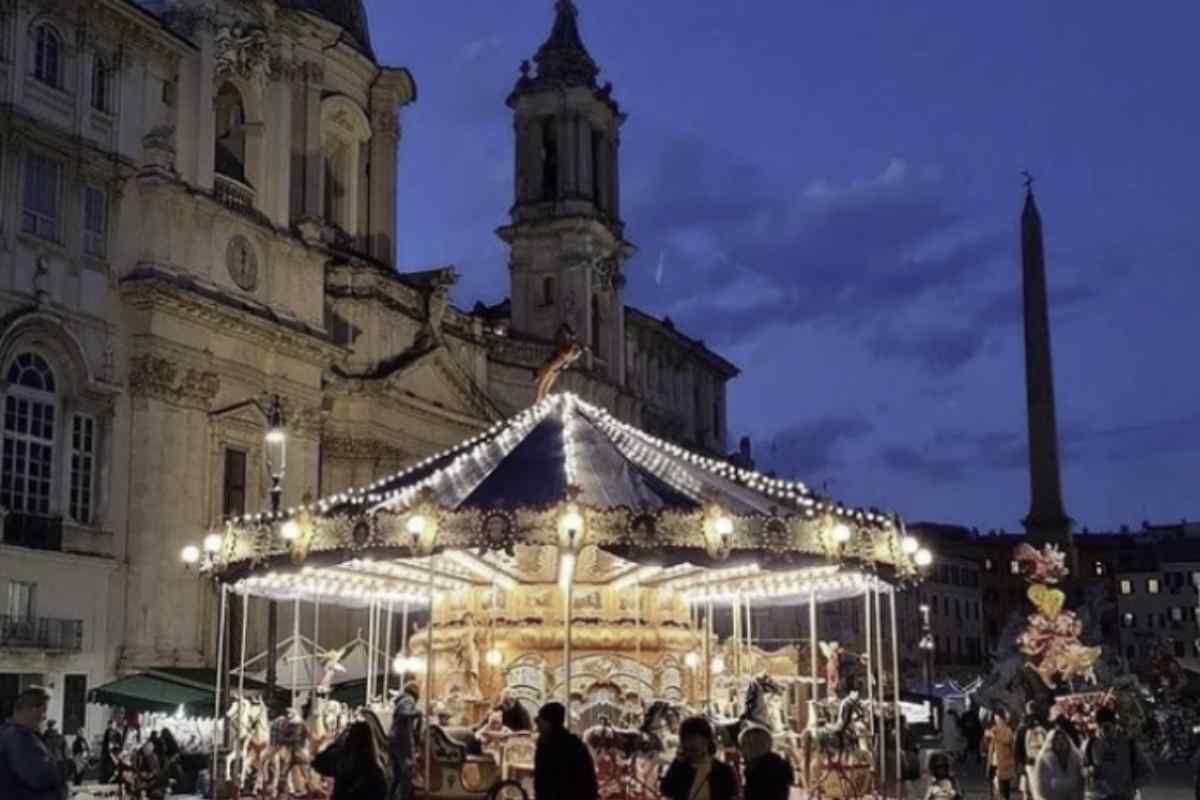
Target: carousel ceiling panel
532,474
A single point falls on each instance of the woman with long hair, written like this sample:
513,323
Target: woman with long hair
358,761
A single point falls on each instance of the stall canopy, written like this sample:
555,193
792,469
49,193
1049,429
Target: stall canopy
163,690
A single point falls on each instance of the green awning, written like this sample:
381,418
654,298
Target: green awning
146,692
164,690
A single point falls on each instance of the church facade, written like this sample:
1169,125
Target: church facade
199,215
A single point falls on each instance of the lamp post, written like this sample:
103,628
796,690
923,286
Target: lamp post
927,647
276,452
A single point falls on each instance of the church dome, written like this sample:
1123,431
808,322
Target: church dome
351,15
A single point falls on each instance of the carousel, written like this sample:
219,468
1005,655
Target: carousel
566,555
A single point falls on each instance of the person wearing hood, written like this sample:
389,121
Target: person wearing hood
1058,771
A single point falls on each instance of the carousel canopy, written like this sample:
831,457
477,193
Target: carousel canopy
566,488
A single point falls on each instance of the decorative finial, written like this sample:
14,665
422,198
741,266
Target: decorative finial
1028,180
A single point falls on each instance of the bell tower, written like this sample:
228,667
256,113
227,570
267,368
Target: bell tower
565,231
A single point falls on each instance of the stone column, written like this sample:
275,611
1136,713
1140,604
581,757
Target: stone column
279,100
614,179
385,138
603,175
586,183
314,173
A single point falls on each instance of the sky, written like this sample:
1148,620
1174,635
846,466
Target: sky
828,194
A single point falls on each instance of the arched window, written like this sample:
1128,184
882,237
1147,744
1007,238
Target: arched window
231,134
30,415
345,133
47,56
101,76
547,291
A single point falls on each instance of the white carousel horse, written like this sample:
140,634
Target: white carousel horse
251,737
289,759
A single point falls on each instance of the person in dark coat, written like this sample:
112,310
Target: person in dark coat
406,719
28,771
359,762
81,754
695,772
562,763
512,714
768,775
110,742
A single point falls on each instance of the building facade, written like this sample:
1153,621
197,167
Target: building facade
200,214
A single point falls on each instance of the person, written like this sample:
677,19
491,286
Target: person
696,774
110,745
406,718
358,761
1058,770
562,764
146,778
493,732
27,769
81,753
156,743
171,759
1000,760
1114,765
1027,745
768,775
56,743
513,714
952,737
972,732
942,783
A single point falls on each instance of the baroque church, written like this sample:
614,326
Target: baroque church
199,215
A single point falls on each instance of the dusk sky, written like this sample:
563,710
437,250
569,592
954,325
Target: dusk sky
828,192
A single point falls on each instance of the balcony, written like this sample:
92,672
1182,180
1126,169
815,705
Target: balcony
237,197
34,531
41,633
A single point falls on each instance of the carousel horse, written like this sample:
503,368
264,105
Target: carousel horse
251,740
756,710
289,759
632,758
836,758
567,350
324,720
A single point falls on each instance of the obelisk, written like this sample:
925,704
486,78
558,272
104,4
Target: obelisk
1047,520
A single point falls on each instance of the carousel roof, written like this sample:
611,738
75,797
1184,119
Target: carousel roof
566,475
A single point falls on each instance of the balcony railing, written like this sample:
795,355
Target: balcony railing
236,196
41,633
33,531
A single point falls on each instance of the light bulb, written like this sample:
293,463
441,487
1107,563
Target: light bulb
494,657
923,558
909,545
290,530
841,533
692,660
212,543
190,554
573,521
415,525
718,665
724,526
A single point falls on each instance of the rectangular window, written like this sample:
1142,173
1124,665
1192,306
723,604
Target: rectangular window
12,684
1014,568
1176,614
1099,568
1126,586
987,565
1179,650
234,497
28,455
74,703
1128,620
95,222
20,600
100,79
83,468
39,214
1152,585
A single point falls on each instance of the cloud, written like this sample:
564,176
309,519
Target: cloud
926,467
939,350
811,447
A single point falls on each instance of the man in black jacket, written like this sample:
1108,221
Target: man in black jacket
768,775
562,764
696,772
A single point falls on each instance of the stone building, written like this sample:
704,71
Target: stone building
200,211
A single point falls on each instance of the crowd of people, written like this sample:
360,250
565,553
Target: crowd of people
1044,759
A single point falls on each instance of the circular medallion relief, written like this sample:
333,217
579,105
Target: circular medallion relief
242,262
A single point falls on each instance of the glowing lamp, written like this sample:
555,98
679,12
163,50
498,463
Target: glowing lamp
190,554
923,558
841,533
494,657
400,664
572,522
718,665
212,543
724,527
416,525
692,660
909,545
290,530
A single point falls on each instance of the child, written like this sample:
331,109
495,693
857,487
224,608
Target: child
942,784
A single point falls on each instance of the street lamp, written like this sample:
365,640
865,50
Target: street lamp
927,646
